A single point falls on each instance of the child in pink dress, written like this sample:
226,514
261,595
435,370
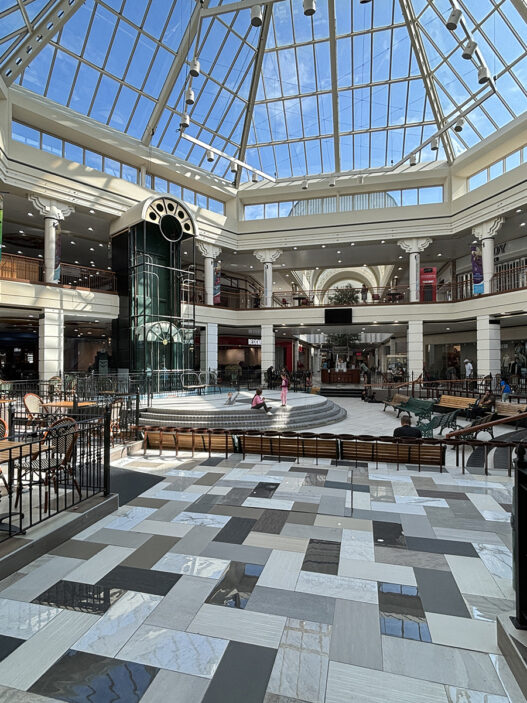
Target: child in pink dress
285,386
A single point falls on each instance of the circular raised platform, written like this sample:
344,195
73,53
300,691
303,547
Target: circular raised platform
302,412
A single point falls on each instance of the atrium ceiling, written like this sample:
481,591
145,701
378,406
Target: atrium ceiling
357,85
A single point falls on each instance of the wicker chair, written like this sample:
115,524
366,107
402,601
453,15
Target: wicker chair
37,414
115,419
3,435
53,455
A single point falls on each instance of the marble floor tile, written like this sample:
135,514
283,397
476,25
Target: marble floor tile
507,680
417,526
271,521
407,557
281,570
131,518
497,558
32,659
357,544
270,541
301,664
463,695
322,556
236,585
174,687
440,593
347,523
337,587
174,650
244,672
38,580
473,577
361,685
235,531
179,607
192,565
118,624
77,549
236,552
13,695
437,546
419,500
464,633
292,604
401,508
169,529
201,519
434,662
119,538
251,627
375,571
484,608
84,597
401,612
268,503
333,534
356,637
489,508
22,620
146,556
92,570
79,677
129,578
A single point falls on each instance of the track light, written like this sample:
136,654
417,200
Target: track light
458,127
254,177
210,156
332,183
469,49
434,146
413,160
189,96
483,75
453,19
256,15
364,2
194,68
310,7
234,167
184,121
304,184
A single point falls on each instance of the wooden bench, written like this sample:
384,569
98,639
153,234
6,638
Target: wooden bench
511,410
393,452
455,402
298,446
397,402
195,440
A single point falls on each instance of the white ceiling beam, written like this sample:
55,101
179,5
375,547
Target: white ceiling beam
426,73
31,45
257,69
334,80
235,7
178,63
521,8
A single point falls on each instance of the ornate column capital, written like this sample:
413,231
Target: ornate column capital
51,208
415,244
488,229
209,251
267,256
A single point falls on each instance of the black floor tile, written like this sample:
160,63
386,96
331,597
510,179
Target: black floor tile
389,534
354,464
441,546
242,675
85,597
209,479
360,488
272,521
401,612
308,470
236,586
322,556
130,578
273,457
452,495
235,531
212,461
337,484
8,645
79,677
264,490
439,592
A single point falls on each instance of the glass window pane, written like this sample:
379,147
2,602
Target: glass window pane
26,135
512,160
477,180
410,196
284,209
160,185
393,198
112,167
175,190
496,170
201,200
93,160
189,196
254,212
129,173
217,206
433,194
271,210
51,144
73,152
148,181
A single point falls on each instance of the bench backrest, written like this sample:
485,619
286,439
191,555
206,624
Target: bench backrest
509,409
396,453
398,399
455,401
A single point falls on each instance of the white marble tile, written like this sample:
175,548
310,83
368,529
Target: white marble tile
355,684
203,519
463,695
34,657
337,587
402,508
174,687
376,571
497,559
207,567
118,624
20,619
404,488
464,633
40,579
182,472
418,500
472,576
489,508
92,570
268,503
361,500
133,516
392,478
158,527
281,570
357,544
269,541
248,626
179,496
506,678
178,651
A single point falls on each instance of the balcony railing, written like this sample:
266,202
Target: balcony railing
24,268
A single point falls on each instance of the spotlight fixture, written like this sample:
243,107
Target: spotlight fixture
413,160
453,19
304,184
332,183
434,146
184,121
254,178
256,15
469,49
458,127
483,75
234,167
194,68
210,156
364,2
310,7
189,96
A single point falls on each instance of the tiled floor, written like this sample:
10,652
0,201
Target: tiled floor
261,582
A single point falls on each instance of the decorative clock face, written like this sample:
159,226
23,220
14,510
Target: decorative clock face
173,220
164,332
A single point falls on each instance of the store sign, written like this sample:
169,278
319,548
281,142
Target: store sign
254,342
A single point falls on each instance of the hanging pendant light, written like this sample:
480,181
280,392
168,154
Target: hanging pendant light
194,68
184,121
210,156
483,75
413,160
189,96
234,167
458,127
304,184
453,19
256,15
254,177
310,7
434,146
469,49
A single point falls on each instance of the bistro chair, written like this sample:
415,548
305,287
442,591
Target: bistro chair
3,435
37,413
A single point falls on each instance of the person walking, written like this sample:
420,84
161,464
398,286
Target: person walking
468,369
364,293
505,390
285,386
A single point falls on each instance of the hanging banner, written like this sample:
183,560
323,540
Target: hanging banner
1,221
217,283
58,254
477,269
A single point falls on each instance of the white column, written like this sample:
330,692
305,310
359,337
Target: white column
210,254
267,257
51,343
488,345
267,349
485,233
209,347
54,212
414,247
415,349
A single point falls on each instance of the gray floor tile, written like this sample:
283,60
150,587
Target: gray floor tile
439,592
356,636
417,526
407,557
292,604
195,541
77,549
150,552
180,605
118,538
237,552
174,687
